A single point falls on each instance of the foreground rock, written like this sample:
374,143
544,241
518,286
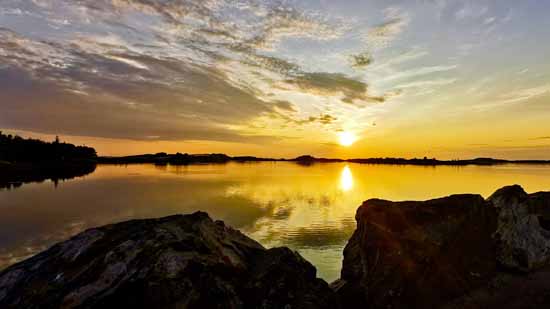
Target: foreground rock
458,252
174,262
523,233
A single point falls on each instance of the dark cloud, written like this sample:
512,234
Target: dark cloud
273,64
361,60
285,106
327,119
126,110
118,95
324,119
354,91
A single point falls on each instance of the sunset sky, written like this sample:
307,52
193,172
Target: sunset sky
437,78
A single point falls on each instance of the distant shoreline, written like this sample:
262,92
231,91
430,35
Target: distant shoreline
186,159
14,174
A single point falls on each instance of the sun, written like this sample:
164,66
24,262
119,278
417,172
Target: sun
346,138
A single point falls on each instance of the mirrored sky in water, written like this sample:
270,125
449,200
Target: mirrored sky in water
308,208
443,78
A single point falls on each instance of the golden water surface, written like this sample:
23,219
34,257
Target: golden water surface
308,208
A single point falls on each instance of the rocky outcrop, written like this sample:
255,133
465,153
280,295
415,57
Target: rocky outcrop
174,262
460,251
412,254
523,233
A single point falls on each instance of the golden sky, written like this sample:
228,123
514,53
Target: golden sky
437,78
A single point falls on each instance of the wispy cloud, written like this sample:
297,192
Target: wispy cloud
135,64
395,22
524,94
419,72
514,97
427,83
394,60
471,10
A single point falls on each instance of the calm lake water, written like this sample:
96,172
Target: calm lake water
308,208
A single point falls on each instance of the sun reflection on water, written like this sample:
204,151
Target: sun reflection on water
346,179
310,209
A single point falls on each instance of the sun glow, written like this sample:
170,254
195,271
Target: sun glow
346,138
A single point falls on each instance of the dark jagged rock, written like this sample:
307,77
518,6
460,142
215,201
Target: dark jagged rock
460,252
411,254
282,277
174,262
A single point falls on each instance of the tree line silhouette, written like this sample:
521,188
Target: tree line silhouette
14,148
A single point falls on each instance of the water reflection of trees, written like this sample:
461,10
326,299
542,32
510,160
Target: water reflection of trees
23,174
24,160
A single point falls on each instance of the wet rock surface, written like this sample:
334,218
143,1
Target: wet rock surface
459,251
174,262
